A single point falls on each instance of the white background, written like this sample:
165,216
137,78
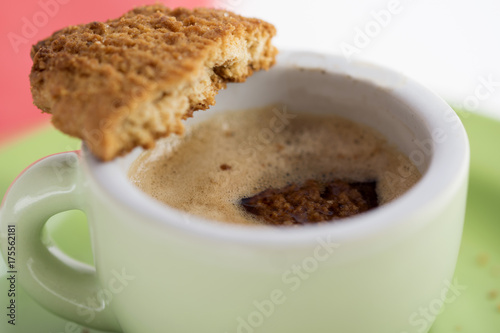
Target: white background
446,45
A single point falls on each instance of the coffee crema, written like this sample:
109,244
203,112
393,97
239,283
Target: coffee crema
237,154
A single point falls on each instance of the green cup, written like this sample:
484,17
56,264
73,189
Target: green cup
162,270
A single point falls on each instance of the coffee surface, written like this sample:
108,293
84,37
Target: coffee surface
237,154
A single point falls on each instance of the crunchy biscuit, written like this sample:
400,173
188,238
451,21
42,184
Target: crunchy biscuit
126,82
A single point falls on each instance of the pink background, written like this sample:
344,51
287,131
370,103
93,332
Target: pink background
18,114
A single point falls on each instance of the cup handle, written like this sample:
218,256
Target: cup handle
47,187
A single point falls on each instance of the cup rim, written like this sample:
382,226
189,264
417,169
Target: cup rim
445,175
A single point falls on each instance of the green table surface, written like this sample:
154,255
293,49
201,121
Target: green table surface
476,310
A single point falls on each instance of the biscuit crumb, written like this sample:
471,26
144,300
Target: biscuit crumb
129,81
493,294
225,167
482,259
458,328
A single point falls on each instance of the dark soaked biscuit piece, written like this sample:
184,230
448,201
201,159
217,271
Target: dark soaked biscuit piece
128,81
311,202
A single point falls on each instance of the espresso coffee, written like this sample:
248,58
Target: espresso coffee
236,154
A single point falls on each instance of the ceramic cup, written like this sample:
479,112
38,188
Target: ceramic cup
161,270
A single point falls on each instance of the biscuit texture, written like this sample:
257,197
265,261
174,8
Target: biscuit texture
128,81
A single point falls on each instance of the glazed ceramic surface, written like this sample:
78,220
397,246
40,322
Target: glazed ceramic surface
158,269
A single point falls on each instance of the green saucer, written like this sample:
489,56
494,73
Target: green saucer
476,310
